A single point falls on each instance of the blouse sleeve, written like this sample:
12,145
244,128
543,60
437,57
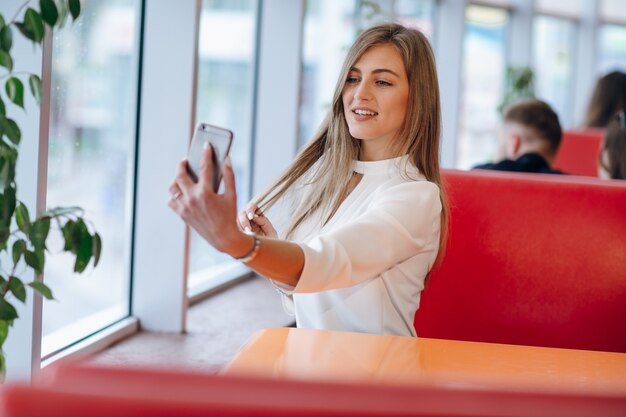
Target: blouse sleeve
403,222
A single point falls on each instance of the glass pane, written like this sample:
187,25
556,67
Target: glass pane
91,164
553,48
329,30
570,8
418,14
613,11
225,94
484,48
412,13
612,49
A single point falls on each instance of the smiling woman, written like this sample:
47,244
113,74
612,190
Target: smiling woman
369,214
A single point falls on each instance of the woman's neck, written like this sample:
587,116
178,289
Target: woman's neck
369,153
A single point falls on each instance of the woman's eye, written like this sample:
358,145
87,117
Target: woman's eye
383,83
352,80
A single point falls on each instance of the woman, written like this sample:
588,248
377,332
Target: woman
609,96
613,152
369,215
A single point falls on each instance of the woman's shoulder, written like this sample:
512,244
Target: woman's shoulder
406,192
410,189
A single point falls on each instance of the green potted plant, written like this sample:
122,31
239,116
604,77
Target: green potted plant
23,236
520,83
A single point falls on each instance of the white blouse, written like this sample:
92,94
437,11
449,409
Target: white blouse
364,269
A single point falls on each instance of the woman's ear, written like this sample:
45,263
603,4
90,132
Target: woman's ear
514,145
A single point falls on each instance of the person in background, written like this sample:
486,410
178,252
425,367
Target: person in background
613,153
609,96
367,213
528,139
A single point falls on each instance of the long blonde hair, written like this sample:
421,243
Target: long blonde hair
332,149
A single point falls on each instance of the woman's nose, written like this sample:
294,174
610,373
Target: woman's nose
362,92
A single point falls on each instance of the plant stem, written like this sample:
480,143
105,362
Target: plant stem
19,11
10,74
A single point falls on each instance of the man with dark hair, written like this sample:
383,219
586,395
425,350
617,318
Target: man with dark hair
529,137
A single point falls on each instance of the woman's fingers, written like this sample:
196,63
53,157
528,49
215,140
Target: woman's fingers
230,189
182,179
265,225
244,222
252,210
205,176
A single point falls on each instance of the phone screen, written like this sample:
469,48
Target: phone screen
220,139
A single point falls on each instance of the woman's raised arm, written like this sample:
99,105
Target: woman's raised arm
214,217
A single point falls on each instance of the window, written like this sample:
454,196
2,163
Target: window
226,65
91,164
571,8
613,11
612,49
329,30
418,14
483,69
553,49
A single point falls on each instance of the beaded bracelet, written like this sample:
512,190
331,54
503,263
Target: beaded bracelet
253,252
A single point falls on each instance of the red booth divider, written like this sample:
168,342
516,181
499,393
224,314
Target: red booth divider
579,151
84,390
531,259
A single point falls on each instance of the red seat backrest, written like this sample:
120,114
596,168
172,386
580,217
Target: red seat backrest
533,260
578,153
80,391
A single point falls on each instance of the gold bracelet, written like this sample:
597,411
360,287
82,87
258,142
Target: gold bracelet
253,252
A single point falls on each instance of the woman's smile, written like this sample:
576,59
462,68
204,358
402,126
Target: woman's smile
362,114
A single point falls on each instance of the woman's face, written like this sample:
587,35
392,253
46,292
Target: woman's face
375,98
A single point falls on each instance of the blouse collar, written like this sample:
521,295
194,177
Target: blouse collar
385,166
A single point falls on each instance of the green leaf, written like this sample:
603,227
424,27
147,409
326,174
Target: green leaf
85,246
6,38
15,91
7,206
42,289
5,232
5,60
97,249
68,235
17,288
63,12
22,217
7,311
33,26
35,87
74,8
11,130
19,247
35,260
2,23
38,233
3,110
25,31
8,157
49,12
62,211
4,331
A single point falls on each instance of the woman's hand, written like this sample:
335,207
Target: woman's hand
212,215
252,220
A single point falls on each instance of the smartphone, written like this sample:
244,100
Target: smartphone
217,137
